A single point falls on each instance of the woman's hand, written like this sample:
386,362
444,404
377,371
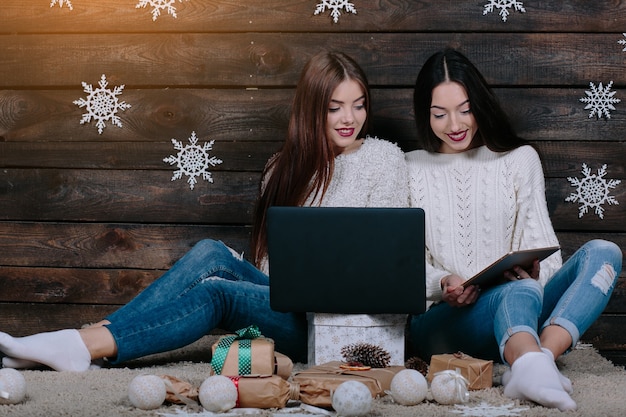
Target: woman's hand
517,272
454,294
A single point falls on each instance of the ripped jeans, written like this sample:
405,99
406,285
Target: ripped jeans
573,298
210,287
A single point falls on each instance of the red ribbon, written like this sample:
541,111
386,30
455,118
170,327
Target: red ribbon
235,380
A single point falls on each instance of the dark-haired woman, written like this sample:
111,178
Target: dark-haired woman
483,192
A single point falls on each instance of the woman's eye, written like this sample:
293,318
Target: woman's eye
438,116
333,109
468,111
359,106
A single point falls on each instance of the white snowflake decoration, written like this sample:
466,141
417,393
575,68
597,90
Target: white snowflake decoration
192,160
335,6
600,100
623,42
102,104
592,191
158,5
503,6
68,2
486,410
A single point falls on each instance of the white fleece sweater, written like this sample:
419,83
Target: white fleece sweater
480,205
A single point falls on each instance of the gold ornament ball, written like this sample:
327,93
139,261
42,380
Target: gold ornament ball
12,386
147,392
352,399
408,387
218,394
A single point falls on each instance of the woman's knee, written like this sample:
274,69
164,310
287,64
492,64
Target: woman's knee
606,250
215,247
531,286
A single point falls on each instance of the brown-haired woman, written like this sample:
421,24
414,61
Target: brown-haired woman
326,160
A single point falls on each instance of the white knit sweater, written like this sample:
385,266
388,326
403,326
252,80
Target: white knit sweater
372,176
480,205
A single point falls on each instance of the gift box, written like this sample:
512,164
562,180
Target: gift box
317,383
478,372
245,353
252,391
329,333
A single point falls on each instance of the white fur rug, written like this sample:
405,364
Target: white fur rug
598,391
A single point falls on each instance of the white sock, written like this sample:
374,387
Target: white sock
15,363
565,381
63,350
533,377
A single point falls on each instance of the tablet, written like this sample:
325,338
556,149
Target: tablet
524,258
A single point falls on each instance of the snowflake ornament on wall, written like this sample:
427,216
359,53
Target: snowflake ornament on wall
68,2
102,104
623,42
192,160
486,410
335,6
158,5
592,191
600,100
503,6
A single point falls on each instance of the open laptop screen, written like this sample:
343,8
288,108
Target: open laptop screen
346,260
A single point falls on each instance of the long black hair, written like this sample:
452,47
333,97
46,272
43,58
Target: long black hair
494,127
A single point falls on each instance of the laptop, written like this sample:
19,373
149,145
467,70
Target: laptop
346,260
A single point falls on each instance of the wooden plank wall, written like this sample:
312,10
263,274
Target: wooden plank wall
87,219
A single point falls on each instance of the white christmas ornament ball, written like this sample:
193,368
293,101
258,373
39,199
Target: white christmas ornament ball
449,387
408,387
351,399
12,386
218,393
147,392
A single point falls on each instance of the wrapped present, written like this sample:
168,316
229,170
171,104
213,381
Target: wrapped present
245,353
283,365
264,391
179,391
478,372
329,333
316,383
270,391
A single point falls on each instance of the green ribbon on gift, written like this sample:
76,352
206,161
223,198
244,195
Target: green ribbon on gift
244,338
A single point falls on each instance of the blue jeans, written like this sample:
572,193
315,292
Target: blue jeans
210,287
574,298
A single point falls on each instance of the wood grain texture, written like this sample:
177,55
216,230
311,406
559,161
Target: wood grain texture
87,220
168,60
298,15
242,116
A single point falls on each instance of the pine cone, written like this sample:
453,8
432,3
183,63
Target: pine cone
367,354
418,364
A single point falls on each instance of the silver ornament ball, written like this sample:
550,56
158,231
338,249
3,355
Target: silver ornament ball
408,387
147,392
352,399
12,386
218,394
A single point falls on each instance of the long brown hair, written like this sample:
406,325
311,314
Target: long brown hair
305,163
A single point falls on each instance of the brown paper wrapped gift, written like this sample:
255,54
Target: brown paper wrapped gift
478,372
316,383
269,391
283,365
264,391
262,358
